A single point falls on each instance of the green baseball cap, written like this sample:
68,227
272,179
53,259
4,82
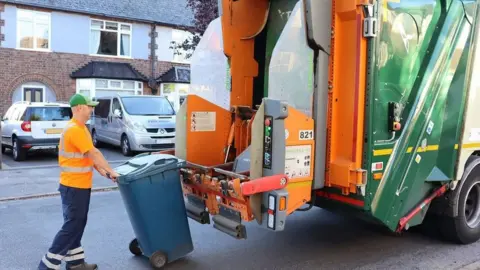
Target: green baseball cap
79,99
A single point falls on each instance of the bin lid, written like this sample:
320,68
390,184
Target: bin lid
142,165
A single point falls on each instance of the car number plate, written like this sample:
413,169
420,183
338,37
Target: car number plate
163,141
53,130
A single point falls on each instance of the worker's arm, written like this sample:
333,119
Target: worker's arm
100,163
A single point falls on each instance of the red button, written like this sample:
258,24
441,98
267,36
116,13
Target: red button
397,126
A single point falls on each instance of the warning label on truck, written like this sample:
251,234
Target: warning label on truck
298,161
203,121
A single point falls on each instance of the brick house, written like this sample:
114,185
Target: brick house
50,50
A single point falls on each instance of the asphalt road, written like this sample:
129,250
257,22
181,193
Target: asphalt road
45,158
16,183
312,240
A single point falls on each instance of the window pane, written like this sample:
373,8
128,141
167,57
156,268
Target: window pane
147,106
25,15
101,84
48,114
108,43
116,105
42,18
84,83
97,24
42,36
111,26
95,42
38,96
125,28
28,96
105,93
85,92
125,45
128,85
115,84
26,34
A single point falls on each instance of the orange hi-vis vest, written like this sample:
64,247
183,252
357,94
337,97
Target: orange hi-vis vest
76,169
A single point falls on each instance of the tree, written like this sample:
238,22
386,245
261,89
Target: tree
204,12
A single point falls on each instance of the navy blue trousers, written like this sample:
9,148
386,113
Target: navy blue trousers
67,245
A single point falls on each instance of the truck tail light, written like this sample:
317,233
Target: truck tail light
271,221
282,204
26,126
272,202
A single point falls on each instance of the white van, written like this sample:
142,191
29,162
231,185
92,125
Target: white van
135,123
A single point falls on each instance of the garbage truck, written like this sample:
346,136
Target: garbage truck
361,107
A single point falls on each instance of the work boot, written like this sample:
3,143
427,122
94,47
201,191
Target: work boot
83,266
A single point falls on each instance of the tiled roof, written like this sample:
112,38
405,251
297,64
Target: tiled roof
165,12
108,70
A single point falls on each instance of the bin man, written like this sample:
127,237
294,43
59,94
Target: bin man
77,157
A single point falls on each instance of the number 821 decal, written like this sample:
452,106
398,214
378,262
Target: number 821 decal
305,135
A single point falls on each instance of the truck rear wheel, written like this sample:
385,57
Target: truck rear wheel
464,227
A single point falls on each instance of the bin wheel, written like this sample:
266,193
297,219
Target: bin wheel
135,248
158,260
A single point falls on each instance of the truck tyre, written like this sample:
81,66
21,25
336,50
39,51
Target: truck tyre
464,226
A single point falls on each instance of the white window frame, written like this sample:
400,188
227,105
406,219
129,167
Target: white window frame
34,13
119,36
138,86
44,92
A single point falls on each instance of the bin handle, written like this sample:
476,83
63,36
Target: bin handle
161,162
142,155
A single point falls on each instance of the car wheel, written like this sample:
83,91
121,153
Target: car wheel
126,150
4,149
19,154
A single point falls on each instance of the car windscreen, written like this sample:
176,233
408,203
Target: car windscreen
147,106
48,114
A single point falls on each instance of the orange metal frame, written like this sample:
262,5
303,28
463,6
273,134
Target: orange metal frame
239,44
346,97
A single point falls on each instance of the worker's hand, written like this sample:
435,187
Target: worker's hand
113,176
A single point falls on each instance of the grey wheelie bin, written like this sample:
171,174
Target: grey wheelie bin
152,194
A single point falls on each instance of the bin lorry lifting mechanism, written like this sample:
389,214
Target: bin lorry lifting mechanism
360,106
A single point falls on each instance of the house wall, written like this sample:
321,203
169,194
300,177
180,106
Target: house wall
164,39
52,70
70,34
9,16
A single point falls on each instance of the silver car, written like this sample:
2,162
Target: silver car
135,123
31,126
